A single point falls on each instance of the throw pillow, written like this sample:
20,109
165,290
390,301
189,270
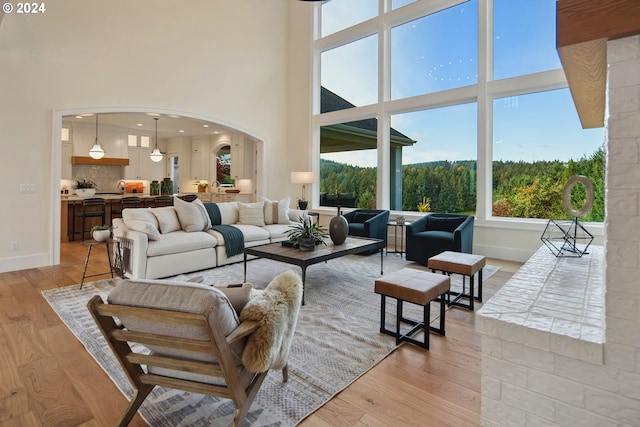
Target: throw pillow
276,212
251,213
141,214
190,215
167,219
144,227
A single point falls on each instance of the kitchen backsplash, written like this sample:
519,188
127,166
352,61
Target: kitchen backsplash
106,177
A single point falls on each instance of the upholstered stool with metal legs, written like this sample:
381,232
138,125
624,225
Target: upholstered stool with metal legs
91,208
417,287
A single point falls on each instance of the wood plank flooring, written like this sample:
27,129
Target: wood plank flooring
48,379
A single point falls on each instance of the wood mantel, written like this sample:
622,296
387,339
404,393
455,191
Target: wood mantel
583,28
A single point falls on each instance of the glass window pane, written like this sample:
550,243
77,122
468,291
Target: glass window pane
132,141
399,3
348,164
436,52
351,73
524,35
538,145
437,170
340,14
144,141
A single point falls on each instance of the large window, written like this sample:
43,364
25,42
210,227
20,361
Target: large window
471,114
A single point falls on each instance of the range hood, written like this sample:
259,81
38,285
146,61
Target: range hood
105,161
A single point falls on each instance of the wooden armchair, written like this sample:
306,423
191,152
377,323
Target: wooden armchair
193,339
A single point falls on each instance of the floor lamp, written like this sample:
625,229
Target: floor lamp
304,178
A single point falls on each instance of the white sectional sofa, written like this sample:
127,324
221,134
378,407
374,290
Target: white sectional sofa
178,239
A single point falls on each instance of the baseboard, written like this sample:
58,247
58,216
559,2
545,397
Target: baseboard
508,254
24,262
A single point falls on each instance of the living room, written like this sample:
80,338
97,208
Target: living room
246,64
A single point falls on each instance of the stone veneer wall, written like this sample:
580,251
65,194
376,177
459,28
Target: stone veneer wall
523,385
616,392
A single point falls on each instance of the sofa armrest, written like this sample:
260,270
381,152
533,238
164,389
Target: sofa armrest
463,235
377,225
139,246
296,214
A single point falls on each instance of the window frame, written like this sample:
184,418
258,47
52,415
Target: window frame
484,92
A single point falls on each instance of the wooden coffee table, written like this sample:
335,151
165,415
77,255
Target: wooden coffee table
294,256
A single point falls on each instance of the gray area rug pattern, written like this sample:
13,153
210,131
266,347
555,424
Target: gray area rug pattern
337,339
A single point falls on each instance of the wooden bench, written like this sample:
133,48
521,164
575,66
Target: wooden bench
450,262
417,287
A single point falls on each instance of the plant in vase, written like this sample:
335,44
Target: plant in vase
306,234
85,188
202,187
101,233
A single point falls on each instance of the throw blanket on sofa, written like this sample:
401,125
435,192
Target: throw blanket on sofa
233,238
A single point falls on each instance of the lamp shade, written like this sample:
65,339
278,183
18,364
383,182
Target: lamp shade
304,177
96,152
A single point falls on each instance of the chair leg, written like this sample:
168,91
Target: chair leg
138,397
285,373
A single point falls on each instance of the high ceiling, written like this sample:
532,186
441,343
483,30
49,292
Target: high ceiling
169,126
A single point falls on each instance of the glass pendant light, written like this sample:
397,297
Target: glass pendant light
156,155
96,152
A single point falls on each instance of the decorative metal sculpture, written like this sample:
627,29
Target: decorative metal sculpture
569,237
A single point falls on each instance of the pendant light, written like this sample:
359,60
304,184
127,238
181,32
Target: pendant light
96,152
156,155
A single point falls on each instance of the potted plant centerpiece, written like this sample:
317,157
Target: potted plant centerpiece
306,234
85,188
202,187
101,233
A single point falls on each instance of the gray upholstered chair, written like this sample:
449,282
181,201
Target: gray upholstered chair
196,338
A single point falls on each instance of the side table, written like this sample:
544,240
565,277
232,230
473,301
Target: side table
108,247
395,226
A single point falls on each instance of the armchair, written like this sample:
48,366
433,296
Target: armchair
368,223
196,340
436,233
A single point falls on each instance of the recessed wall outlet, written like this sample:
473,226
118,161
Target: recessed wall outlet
15,246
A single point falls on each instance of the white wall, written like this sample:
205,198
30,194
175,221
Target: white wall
224,60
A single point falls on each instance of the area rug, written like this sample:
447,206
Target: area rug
337,339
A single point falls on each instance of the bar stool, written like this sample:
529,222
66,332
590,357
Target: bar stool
160,201
126,203
91,208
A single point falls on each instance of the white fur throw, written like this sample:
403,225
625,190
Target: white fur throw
276,310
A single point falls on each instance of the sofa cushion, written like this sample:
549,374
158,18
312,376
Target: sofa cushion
192,215
277,231
140,213
144,227
251,233
251,213
228,212
167,219
443,224
181,241
276,212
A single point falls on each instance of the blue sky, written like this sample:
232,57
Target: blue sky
439,52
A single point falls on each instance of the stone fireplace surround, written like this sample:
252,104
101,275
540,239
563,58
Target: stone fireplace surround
571,370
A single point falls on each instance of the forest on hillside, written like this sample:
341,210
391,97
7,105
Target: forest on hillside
520,189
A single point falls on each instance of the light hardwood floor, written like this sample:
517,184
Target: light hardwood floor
48,379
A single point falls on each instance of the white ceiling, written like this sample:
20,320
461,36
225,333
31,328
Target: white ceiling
169,126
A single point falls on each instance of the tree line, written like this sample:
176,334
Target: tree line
520,189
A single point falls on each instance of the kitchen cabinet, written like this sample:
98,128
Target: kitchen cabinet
141,166
67,153
199,158
242,154
113,141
